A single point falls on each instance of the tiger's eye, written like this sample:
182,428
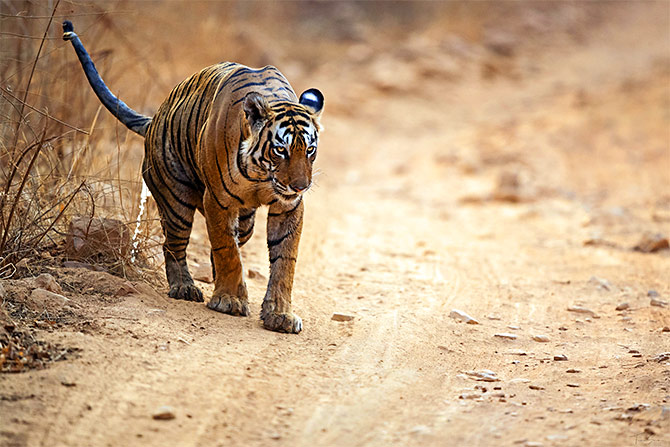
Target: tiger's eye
280,151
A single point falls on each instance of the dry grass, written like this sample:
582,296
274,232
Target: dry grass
53,166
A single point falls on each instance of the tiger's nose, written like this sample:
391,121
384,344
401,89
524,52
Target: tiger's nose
299,186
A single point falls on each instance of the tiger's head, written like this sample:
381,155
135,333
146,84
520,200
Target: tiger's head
280,141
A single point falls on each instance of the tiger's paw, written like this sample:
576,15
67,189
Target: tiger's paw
187,292
229,304
284,322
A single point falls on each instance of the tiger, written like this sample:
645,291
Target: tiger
227,140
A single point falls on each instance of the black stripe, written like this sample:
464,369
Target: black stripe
174,258
166,207
242,71
238,101
246,233
248,84
288,211
166,122
287,258
223,182
243,217
190,153
275,242
225,146
276,78
216,198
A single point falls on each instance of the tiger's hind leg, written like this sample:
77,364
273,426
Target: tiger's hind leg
176,205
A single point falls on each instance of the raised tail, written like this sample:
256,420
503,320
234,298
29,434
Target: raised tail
134,121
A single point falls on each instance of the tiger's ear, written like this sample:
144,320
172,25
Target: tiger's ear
313,100
257,111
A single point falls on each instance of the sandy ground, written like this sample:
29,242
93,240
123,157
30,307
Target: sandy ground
408,222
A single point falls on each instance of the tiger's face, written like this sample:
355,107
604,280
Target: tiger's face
287,140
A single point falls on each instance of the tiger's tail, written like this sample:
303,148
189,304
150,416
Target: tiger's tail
134,121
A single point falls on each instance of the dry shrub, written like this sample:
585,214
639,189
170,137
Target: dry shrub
53,166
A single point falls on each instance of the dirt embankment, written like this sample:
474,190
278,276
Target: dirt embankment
506,178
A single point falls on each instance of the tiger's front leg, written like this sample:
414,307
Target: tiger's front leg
230,292
284,228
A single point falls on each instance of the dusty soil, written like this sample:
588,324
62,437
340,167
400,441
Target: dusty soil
502,180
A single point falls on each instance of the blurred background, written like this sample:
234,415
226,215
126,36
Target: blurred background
506,159
480,101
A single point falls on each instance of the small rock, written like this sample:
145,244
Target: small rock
573,385
83,265
470,396
652,242
41,299
519,380
127,288
541,338
420,430
203,273
623,306
599,242
514,328
662,357
561,357
665,329
508,188
639,407
2,292
624,417
506,336
493,317
573,371
164,413
67,382
658,303
582,310
255,274
97,237
462,316
47,282
484,375
517,352
653,294
600,283
341,317
536,387
501,43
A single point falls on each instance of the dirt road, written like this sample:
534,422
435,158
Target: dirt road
409,221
